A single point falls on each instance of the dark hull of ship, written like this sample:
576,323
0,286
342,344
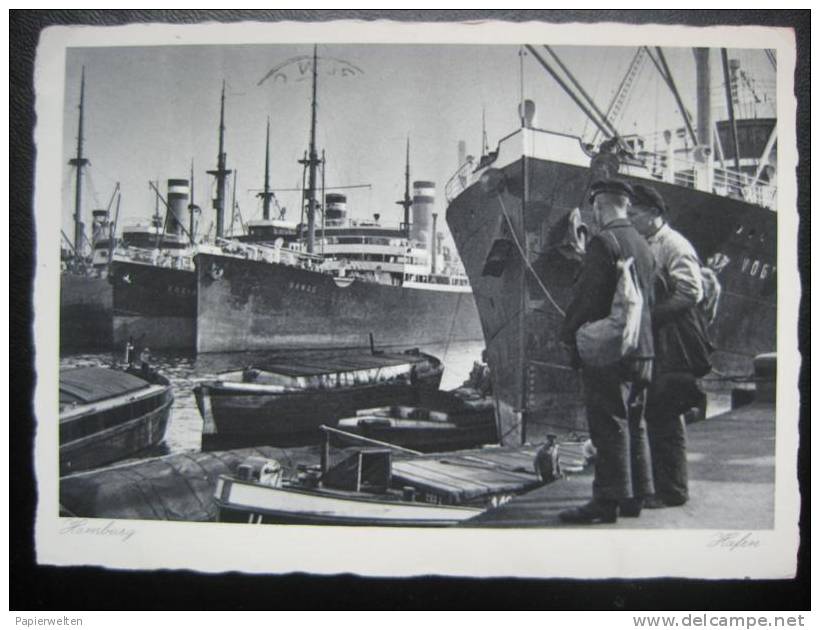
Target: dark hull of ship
247,305
537,391
85,313
153,306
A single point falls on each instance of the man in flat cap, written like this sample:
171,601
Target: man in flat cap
614,395
679,337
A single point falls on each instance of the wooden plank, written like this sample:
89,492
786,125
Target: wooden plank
493,475
411,472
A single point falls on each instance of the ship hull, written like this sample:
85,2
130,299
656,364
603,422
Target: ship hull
153,306
535,386
85,313
249,305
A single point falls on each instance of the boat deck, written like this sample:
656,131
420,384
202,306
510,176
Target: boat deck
731,482
471,474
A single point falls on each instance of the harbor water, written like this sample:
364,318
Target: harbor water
184,371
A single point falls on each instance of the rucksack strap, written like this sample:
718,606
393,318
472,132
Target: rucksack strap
620,254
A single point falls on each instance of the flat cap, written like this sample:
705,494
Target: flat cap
613,186
648,196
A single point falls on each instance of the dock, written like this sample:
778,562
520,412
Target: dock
731,460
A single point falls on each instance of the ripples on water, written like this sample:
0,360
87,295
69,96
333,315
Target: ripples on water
184,371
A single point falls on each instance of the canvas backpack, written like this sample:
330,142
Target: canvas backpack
614,338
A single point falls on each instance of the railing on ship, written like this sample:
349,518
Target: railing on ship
169,259
459,181
264,253
683,170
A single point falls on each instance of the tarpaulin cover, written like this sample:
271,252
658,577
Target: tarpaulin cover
174,487
90,384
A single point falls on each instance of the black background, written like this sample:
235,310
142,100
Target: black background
35,587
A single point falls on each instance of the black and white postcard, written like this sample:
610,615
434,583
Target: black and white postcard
466,299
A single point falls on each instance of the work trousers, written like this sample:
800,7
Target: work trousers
617,427
670,395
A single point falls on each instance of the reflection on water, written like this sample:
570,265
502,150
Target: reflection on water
184,371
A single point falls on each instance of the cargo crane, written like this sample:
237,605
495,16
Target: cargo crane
616,105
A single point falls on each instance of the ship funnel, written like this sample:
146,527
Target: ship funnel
424,201
526,111
178,193
335,208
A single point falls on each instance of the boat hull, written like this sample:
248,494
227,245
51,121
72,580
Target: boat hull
116,443
243,502
153,306
238,419
532,379
251,305
85,313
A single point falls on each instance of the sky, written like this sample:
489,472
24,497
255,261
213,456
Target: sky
150,111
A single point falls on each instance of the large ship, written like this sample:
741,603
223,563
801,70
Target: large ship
153,281
369,280
153,278
519,220
340,284
289,285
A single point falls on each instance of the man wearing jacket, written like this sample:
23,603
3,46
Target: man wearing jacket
679,345
614,395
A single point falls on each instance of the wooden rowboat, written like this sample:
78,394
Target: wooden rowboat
450,420
283,402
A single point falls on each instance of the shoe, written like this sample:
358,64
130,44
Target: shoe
596,511
630,507
657,503
654,503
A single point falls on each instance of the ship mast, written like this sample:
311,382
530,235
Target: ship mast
221,173
79,161
192,208
266,195
407,202
312,162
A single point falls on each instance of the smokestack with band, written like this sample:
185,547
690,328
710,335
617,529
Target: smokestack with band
424,201
178,193
335,209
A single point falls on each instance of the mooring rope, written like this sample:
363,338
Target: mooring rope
525,260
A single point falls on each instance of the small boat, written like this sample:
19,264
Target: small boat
358,495
108,414
283,402
453,420
375,485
